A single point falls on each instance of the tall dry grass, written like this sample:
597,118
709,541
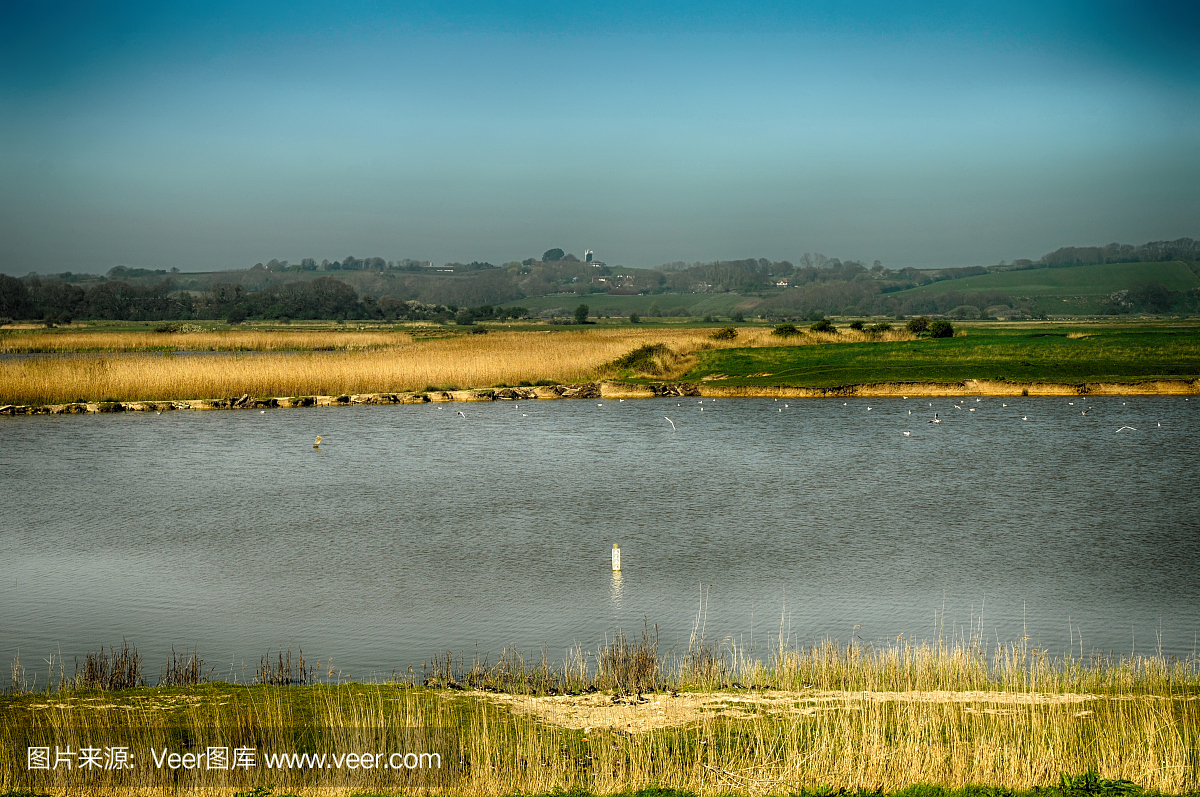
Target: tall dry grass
63,342
759,748
403,364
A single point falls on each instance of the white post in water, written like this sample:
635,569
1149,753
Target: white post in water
616,558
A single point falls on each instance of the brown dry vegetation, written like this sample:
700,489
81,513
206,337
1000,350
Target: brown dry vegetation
366,362
841,716
61,342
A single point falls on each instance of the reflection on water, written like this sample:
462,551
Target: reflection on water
414,530
616,590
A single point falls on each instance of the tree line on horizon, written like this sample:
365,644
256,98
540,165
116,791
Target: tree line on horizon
372,288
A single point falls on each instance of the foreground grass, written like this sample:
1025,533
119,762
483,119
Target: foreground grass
1019,355
793,743
824,720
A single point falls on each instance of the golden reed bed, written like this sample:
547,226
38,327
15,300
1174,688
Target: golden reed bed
372,362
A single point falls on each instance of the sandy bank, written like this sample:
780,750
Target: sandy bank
624,390
636,714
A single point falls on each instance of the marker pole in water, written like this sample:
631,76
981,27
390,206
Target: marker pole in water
616,558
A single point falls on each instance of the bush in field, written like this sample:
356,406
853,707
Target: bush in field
786,331
881,327
941,329
917,325
727,333
824,325
856,325
737,318
634,318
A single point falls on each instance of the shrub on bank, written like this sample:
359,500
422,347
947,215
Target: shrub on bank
941,329
824,325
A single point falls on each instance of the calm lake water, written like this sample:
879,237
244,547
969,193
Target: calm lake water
414,530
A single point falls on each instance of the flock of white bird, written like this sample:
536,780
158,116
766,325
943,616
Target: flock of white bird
936,419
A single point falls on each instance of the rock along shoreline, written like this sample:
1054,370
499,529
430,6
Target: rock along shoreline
625,390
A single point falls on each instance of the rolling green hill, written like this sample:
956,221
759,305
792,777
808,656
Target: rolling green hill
1095,280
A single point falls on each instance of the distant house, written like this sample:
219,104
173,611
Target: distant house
783,282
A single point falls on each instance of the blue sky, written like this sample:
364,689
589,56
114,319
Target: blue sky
217,135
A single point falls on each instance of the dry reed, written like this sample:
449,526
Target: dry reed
61,342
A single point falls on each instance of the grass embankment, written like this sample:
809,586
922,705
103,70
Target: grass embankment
826,717
1119,354
145,366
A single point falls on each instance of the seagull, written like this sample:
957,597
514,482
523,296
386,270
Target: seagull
317,444
1003,405
1024,417
460,412
262,412
599,405
908,434
1123,428
670,422
524,415
972,409
935,419
1085,412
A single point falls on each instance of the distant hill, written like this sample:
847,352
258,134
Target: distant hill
1091,280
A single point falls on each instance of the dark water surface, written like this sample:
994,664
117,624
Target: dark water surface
413,530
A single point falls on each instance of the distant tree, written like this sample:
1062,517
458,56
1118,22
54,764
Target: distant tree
917,325
634,318
236,316
1152,297
941,329
581,314
14,298
552,255
824,325
738,317
856,325
786,331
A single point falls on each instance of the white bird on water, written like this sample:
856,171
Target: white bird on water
935,419
1123,428
1024,417
908,434
670,422
460,412
317,444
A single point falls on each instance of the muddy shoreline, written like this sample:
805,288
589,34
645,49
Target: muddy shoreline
625,390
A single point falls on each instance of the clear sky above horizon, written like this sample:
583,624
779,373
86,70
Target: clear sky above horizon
217,135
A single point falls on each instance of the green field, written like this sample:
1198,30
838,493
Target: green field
1019,355
1098,280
